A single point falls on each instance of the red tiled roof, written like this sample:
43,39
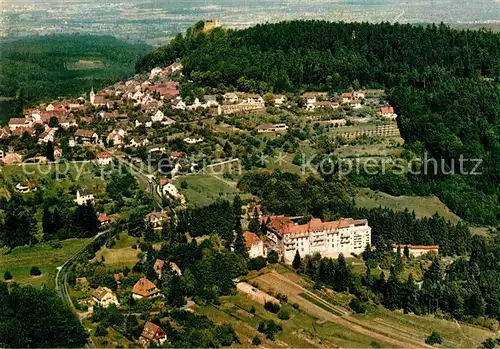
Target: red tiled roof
159,265
418,247
387,110
251,238
152,331
103,155
145,288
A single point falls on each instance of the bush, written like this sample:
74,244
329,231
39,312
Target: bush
269,328
252,310
101,331
283,315
256,340
272,257
357,306
296,306
55,243
256,263
434,338
35,271
7,275
272,307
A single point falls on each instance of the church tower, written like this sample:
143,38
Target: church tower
92,96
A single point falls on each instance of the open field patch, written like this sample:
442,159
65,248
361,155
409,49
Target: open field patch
85,64
202,190
20,260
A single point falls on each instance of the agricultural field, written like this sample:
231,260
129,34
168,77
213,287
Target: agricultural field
322,318
20,260
202,190
85,64
121,254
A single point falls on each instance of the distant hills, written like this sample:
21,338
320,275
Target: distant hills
33,69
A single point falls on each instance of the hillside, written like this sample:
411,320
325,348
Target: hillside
441,82
41,68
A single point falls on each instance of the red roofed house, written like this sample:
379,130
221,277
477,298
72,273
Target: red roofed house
15,123
156,219
176,155
104,219
152,333
104,159
158,267
329,239
417,250
387,112
144,289
86,136
254,244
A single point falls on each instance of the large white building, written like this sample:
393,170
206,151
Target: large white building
329,239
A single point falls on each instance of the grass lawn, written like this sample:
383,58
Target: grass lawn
21,259
65,174
202,190
118,257
423,206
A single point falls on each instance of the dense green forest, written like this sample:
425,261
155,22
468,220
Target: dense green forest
35,318
47,67
442,82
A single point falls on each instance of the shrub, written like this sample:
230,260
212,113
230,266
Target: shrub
256,340
357,306
269,328
295,306
434,338
272,257
283,315
252,310
256,263
272,307
101,331
35,271
7,275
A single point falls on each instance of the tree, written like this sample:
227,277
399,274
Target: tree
256,263
175,294
35,271
256,341
406,252
253,225
297,261
272,257
357,306
342,275
7,275
434,338
240,246
49,151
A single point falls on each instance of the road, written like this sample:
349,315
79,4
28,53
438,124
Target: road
146,179
62,279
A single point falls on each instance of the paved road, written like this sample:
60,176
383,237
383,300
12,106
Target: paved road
62,279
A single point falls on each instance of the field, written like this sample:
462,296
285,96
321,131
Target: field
121,254
202,190
20,260
321,319
423,206
66,175
85,64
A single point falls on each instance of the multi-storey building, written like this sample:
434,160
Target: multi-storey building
329,239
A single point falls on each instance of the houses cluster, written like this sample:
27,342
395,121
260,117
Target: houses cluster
152,334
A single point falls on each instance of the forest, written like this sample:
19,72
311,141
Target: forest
42,68
442,82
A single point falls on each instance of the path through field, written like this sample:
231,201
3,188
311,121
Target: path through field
317,306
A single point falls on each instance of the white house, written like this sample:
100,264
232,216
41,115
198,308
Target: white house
83,199
417,250
158,117
104,297
279,99
152,333
231,97
254,98
104,159
255,245
117,136
193,140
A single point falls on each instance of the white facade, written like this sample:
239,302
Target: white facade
104,297
329,239
83,199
